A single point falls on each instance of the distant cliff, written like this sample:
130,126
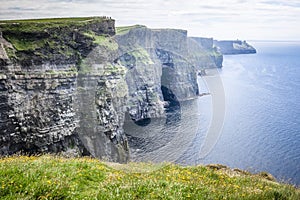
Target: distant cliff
212,51
66,84
234,47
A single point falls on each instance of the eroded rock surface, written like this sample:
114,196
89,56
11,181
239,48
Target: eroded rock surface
66,84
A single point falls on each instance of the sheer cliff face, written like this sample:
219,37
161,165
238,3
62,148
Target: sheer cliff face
156,59
60,91
37,112
66,84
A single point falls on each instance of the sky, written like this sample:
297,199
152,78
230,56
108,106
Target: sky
220,19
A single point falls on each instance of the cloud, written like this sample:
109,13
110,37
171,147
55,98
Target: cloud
16,8
215,18
290,3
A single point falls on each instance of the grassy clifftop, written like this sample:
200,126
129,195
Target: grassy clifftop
49,177
54,41
125,29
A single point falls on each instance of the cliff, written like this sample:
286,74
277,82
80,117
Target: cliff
60,90
161,58
66,84
213,54
234,47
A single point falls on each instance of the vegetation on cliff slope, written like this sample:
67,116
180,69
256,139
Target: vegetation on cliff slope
103,40
125,29
49,177
58,40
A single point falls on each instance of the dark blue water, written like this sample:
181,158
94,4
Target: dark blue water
261,129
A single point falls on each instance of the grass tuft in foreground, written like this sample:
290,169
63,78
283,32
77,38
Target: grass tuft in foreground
49,177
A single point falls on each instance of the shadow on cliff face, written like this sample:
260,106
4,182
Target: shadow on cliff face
159,138
170,97
148,135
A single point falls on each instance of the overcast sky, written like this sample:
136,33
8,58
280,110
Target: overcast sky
221,19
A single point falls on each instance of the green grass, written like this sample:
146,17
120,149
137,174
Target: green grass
51,40
141,55
125,29
103,40
22,44
49,177
39,25
31,34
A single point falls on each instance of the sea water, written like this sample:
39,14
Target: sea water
261,125
261,130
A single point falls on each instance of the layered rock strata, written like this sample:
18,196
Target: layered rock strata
66,84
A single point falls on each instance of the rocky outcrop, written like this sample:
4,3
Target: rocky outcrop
66,84
234,47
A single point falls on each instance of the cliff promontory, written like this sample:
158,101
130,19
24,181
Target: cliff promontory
67,84
234,47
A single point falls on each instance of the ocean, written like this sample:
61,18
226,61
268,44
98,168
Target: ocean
260,117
